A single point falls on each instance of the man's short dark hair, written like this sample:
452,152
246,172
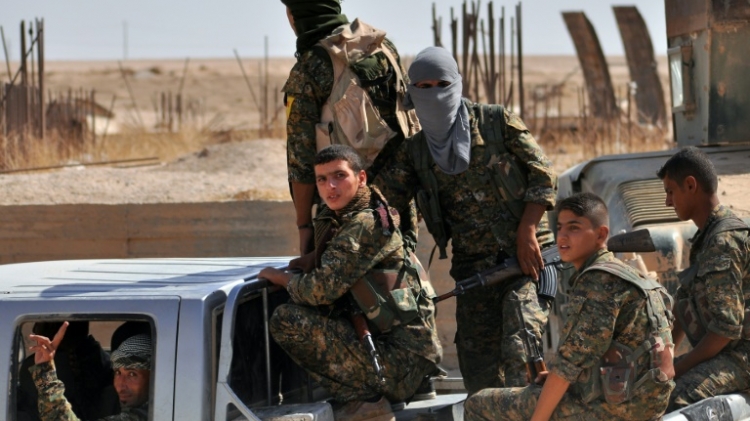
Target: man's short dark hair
340,153
691,161
587,205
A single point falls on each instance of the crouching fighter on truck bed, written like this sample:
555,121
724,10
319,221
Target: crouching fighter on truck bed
481,180
614,360
360,322
711,303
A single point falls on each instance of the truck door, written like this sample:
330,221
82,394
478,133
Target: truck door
161,312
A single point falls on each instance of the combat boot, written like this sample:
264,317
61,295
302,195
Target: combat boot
365,411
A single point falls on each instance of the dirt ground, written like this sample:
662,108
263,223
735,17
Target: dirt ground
245,170
249,170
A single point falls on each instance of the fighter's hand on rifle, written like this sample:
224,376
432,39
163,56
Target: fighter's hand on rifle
529,254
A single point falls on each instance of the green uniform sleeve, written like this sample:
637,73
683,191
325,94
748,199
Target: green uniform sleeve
542,181
356,249
307,89
721,272
52,403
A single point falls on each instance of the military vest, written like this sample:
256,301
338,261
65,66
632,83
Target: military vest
349,116
509,178
692,311
385,296
614,377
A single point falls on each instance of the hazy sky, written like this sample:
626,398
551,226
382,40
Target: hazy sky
93,29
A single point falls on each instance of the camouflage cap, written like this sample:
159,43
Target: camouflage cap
134,353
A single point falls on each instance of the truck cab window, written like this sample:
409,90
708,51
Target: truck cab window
86,362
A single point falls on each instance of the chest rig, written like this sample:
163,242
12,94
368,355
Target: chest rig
614,377
692,311
386,296
507,176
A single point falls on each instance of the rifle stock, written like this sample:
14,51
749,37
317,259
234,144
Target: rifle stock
363,333
535,360
636,241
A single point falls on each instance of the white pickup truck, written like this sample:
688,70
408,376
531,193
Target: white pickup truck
213,357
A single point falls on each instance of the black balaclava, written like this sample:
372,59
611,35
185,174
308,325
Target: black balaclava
314,20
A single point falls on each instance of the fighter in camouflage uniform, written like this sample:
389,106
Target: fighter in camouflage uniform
363,248
309,87
712,300
131,362
493,199
617,320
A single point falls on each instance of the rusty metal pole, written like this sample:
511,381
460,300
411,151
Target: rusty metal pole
132,96
184,74
492,85
502,56
93,117
24,81
630,119
5,51
546,107
25,84
520,60
465,51
266,113
559,109
40,50
437,24
512,62
454,35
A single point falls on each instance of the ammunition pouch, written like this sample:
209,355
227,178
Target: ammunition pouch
386,299
615,377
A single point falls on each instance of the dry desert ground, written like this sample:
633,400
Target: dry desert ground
250,166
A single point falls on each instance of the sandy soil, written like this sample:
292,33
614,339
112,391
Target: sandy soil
249,170
218,90
252,169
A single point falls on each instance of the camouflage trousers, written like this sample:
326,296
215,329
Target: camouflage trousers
329,349
728,372
490,348
518,404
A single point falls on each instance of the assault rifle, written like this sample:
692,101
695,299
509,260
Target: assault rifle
635,241
535,360
357,318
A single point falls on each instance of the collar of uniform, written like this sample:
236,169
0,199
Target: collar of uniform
601,254
718,213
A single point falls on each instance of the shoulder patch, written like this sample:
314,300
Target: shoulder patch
718,263
289,103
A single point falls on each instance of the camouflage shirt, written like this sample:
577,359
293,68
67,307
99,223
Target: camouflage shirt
722,282
54,407
308,87
360,246
603,308
469,205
